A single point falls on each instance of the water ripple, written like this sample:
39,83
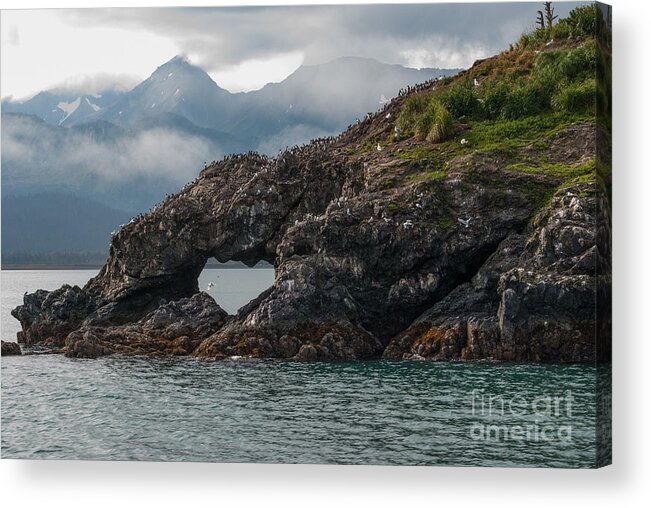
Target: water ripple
378,412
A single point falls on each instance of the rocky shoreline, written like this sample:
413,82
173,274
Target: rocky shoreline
10,349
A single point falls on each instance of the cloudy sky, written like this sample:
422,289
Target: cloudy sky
244,48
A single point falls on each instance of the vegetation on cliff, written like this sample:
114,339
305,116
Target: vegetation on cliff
554,77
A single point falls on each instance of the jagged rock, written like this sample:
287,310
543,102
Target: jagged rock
408,267
531,301
326,341
10,348
175,328
47,317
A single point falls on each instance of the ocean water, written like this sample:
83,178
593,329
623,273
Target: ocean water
373,412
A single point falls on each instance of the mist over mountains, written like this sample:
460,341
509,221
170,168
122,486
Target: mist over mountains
113,154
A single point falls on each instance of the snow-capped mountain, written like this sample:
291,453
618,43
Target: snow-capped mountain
176,87
65,108
314,100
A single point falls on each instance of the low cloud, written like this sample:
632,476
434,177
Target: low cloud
149,162
97,83
452,35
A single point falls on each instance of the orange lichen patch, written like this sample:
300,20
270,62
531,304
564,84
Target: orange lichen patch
432,336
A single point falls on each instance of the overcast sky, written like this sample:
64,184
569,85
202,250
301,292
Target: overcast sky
245,48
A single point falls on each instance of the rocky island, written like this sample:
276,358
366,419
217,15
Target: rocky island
466,220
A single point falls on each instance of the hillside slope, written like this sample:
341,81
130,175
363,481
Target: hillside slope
51,227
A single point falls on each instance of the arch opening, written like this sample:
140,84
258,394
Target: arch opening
234,284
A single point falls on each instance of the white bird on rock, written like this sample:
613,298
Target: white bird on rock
465,222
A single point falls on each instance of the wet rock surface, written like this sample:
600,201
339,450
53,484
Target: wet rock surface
10,349
173,329
372,259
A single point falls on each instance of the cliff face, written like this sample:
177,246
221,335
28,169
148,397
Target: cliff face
382,247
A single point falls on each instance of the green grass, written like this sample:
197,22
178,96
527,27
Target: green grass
387,183
427,118
444,223
576,97
461,100
367,147
420,153
518,84
524,98
582,21
505,136
429,176
541,198
394,208
556,170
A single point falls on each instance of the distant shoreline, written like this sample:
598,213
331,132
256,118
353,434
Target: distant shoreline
50,267
97,267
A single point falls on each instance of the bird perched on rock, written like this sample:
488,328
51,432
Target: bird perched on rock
465,222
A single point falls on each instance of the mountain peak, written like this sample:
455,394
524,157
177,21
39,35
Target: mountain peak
178,60
179,70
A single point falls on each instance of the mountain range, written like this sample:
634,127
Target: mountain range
116,153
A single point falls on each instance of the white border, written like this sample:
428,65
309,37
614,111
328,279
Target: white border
99,484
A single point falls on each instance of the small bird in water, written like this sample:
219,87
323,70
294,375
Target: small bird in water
210,286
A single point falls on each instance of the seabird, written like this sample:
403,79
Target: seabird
465,222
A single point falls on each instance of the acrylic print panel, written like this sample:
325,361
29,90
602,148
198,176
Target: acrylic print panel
372,234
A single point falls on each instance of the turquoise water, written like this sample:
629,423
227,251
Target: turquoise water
375,412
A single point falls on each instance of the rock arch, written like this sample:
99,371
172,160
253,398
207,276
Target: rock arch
358,257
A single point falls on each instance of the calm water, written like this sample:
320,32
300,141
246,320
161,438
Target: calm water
376,412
